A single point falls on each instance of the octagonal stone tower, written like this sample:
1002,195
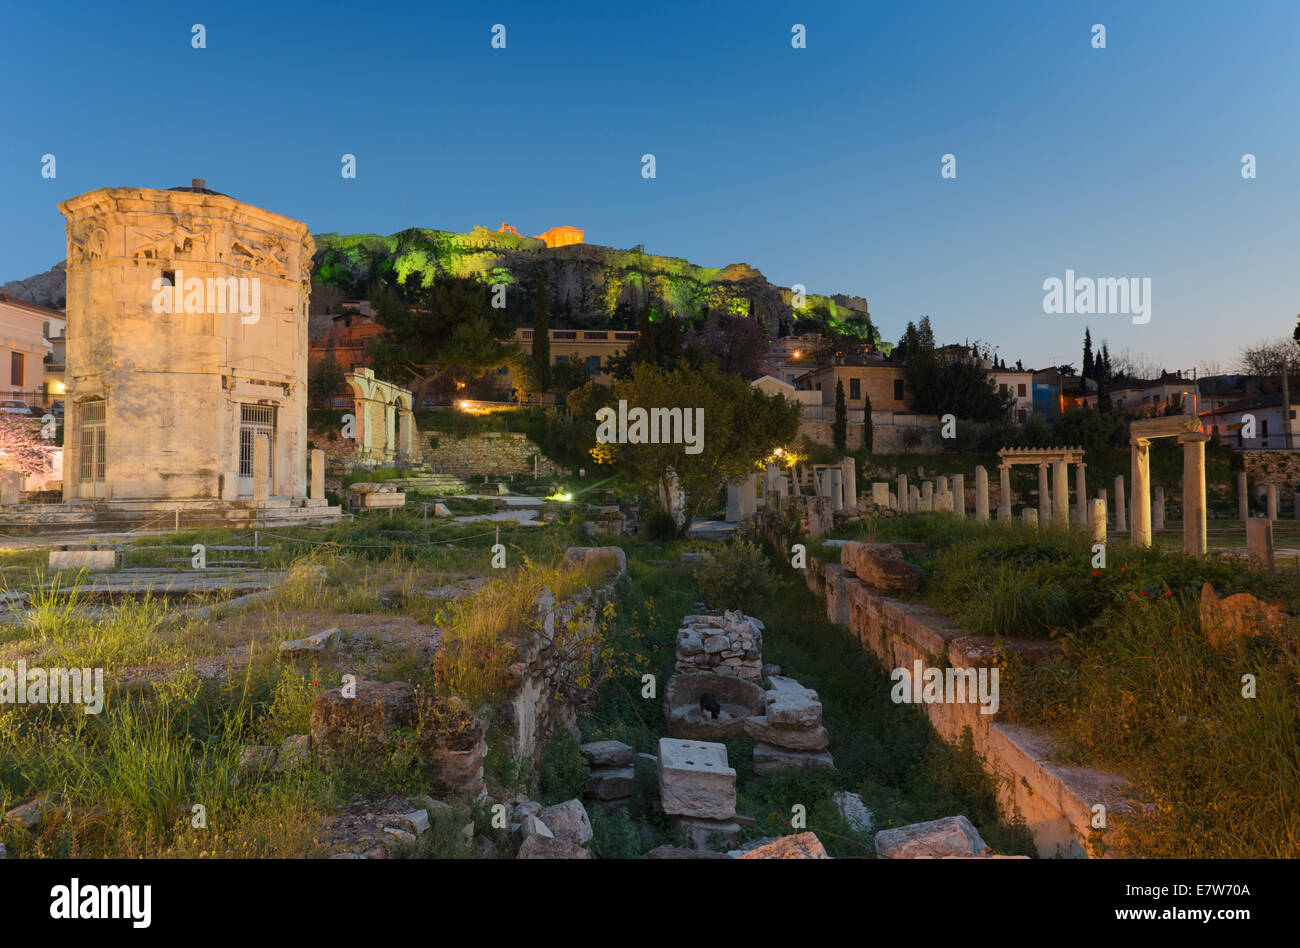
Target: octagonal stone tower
187,348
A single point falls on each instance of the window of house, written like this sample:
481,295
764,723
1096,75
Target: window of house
1021,391
1002,388
1263,427
593,365
17,367
855,389
898,390
561,358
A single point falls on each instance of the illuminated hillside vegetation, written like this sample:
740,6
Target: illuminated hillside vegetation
588,286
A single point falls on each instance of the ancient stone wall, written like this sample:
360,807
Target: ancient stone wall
1272,467
497,452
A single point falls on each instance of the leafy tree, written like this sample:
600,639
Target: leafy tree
736,344
542,335
658,342
742,426
568,375
454,332
840,427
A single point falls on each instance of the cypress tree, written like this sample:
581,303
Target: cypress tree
840,428
542,336
868,433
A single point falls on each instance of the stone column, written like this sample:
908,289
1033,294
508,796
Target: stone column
959,495
902,493
836,483
1158,510
927,495
1061,493
1141,471
880,493
405,435
1121,510
1243,499
1044,496
914,500
1030,516
1004,492
261,468
317,474
1259,540
981,493
1081,494
941,485
849,479
1195,540
1272,501
1105,501
1097,518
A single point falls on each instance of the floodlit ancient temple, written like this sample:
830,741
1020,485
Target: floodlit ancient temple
187,357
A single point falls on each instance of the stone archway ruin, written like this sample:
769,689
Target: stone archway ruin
1058,511
384,428
1191,435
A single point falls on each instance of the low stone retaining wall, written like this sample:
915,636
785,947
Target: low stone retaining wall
1056,801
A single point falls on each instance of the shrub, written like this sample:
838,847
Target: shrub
737,576
562,772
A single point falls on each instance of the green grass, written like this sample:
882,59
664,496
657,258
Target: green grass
887,753
1140,691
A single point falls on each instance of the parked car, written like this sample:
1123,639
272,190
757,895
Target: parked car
15,407
56,409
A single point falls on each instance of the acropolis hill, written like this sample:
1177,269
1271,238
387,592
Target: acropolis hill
591,285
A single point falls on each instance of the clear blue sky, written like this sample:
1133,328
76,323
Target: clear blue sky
818,166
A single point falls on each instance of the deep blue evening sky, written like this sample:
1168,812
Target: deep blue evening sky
818,166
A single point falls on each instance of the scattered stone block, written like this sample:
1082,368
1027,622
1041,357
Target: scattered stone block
769,759
695,781
607,753
611,783
583,556
400,835
316,642
798,846
31,814
702,833
533,825
950,836
810,739
295,751
854,811
880,565
255,759
418,820
1240,616
93,558
568,821
794,709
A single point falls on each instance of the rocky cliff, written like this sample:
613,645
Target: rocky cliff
587,285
